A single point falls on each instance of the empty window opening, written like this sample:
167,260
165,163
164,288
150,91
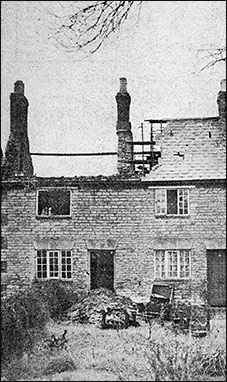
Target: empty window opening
54,264
53,202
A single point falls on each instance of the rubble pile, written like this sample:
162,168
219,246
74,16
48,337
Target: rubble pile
187,315
105,309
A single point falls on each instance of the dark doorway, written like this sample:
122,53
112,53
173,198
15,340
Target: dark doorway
102,269
216,277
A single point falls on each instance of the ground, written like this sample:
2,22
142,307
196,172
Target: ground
133,354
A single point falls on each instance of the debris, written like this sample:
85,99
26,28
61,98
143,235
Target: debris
193,317
55,342
104,308
161,300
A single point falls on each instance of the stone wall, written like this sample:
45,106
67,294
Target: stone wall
124,213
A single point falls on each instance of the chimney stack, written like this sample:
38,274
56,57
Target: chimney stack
18,160
222,100
125,138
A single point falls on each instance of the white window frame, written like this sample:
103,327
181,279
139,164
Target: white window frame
60,271
166,264
161,194
50,189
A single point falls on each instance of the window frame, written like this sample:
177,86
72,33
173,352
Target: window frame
166,264
53,216
161,201
60,264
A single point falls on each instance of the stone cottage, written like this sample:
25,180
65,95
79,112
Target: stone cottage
162,221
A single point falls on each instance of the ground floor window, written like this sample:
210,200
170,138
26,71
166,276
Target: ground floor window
172,264
53,264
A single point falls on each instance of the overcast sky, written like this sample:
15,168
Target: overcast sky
72,105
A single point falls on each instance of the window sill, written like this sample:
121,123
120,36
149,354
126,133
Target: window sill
53,217
172,216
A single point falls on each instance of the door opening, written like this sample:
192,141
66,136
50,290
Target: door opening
102,269
216,277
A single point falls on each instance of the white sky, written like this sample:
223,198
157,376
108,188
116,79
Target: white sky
72,105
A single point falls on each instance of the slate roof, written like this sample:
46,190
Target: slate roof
202,144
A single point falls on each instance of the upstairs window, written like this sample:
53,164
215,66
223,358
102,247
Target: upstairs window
171,201
172,264
53,202
54,265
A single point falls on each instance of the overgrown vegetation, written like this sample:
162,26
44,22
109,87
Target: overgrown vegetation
153,351
128,354
24,315
58,296
23,319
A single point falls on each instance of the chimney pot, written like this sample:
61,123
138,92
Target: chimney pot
19,87
123,85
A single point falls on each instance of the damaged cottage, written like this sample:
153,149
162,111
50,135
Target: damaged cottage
160,219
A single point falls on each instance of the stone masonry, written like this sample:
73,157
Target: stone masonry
121,211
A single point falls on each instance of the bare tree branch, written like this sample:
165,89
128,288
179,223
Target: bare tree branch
210,57
90,24
86,25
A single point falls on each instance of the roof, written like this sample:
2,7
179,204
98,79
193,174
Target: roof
191,149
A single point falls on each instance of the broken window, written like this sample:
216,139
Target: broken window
54,264
4,266
171,201
53,202
172,264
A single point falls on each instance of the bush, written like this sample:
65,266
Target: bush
184,358
23,319
58,296
25,314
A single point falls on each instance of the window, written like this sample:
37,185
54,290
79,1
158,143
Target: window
53,202
172,264
171,201
54,264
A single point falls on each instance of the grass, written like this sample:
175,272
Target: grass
125,355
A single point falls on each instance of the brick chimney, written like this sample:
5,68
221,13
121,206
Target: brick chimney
221,100
125,138
18,160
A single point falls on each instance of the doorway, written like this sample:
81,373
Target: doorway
216,277
102,269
